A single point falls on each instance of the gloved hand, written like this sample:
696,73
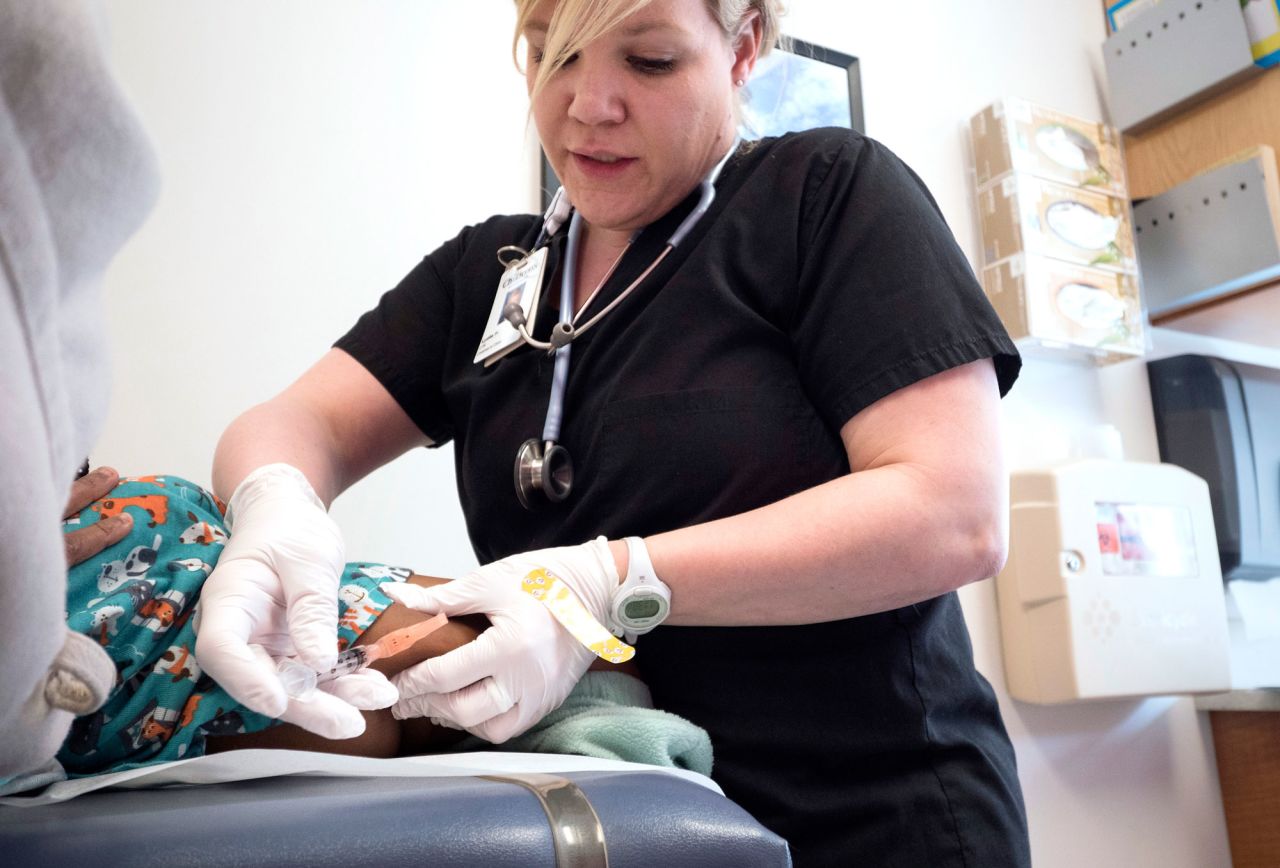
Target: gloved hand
526,663
274,593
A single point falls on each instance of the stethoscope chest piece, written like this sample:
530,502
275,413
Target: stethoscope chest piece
549,473
543,468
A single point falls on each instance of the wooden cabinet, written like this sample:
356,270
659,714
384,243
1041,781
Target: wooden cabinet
1246,741
1213,131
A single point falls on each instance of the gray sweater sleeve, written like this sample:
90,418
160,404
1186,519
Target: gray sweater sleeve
76,179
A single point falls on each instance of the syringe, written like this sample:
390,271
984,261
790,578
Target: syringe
299,679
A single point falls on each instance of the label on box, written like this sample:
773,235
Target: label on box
1124,11
1146,539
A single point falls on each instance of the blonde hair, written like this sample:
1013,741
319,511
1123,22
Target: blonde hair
577,23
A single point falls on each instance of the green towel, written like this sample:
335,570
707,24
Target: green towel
611,715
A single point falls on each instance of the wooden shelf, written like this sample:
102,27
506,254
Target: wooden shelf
1172,152
1247,744
1251,317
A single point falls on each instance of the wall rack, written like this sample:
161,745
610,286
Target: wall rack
1209,237
1174,55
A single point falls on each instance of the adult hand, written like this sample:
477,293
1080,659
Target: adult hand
274,593
83,543
526,663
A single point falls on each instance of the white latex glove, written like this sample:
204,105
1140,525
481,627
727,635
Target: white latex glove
274,593
526,663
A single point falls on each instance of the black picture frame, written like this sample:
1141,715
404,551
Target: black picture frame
793,60
798,59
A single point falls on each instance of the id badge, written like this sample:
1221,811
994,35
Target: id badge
520,284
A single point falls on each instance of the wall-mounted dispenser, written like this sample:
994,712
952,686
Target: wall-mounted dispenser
1112,586
1221,420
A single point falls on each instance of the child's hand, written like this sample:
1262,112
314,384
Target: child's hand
83,543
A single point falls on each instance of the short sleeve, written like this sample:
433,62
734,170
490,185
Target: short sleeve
404,340
885,296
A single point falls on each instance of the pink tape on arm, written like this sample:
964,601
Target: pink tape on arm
405,638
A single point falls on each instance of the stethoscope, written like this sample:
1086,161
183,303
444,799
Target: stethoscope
543,466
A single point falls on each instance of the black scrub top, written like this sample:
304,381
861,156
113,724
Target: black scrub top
822,279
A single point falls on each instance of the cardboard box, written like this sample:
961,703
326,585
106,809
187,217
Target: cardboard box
1013,135
1024,214
1052,305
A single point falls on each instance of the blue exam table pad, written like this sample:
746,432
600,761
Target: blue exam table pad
528,813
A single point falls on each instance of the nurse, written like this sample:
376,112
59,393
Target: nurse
784,445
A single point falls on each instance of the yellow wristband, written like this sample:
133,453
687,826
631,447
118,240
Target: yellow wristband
565,606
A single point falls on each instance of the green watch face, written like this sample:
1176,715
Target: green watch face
638,610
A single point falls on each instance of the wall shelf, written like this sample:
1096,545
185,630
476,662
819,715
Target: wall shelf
1183,145
1211,237
1174,55
1251,317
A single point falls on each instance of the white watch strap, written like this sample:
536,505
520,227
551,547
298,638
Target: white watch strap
639,567
640,573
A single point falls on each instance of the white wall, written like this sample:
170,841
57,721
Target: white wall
312,151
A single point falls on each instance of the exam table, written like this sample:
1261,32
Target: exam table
618,818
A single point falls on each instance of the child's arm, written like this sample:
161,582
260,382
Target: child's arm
384,736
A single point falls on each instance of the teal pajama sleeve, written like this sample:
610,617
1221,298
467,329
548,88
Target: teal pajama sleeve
139,599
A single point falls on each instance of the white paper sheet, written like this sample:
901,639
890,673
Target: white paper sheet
243,765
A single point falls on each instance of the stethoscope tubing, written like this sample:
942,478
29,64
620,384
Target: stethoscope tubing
560,373
565,331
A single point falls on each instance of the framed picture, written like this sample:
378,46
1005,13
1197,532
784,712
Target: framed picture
803,87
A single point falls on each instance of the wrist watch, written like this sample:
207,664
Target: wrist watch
642,601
